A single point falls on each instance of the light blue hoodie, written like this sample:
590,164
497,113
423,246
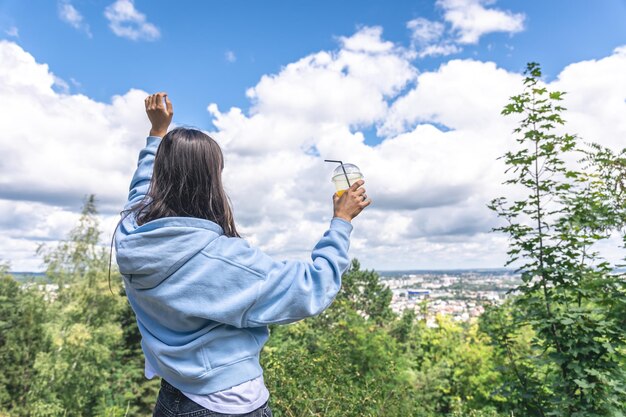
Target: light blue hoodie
203,300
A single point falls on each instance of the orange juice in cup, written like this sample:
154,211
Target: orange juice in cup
344,176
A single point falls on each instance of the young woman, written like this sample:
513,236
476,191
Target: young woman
202,296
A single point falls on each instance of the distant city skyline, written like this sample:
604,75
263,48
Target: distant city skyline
383,274
411,94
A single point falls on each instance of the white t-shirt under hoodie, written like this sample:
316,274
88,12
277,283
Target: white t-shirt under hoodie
240,399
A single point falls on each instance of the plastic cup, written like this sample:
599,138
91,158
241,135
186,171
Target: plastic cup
353,174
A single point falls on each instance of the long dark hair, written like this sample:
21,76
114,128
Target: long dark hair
186,182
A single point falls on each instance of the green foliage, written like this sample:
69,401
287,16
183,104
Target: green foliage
521,384
363,292
350,367
358,359
343,362
452,366
569,297
22,314
90,361
79,257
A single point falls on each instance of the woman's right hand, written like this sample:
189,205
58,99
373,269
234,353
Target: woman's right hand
351,202
159,113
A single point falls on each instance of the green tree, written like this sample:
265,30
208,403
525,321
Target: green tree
520,376
80,256
452,366
22,314
94,366
570,297
350,368
363,292
343,362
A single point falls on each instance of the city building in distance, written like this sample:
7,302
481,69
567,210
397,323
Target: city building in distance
461,294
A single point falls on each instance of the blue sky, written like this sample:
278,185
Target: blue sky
410,91
189,58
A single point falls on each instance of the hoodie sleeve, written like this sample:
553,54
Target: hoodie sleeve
291,291
256,291
141,179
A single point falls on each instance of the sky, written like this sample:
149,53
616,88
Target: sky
410,91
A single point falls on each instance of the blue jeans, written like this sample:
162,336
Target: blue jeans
173,403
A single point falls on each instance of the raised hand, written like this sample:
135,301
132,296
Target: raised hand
160,111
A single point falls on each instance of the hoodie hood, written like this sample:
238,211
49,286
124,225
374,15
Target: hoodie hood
150,253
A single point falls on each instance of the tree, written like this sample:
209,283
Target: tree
22,314
452,365
343,362
570,297
520,375
80,255
95,365
364,292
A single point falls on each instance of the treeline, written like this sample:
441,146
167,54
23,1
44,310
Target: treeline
556,348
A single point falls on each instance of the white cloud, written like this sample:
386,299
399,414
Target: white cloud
69,14
430,187
443,49
427,38
344,88
596,98
57,148
367,39
461,94
13,32
465,21
470,19
230,56
127,22
429,184
311,102
424,31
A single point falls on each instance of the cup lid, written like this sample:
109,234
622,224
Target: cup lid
350,169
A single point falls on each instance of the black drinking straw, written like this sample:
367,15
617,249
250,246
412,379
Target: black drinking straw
343,169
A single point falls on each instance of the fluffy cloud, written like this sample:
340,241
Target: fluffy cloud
596,99
442,49
71,16
426,38
345,88
464,22
461,94
430,178
424,31
127,22
56,149
470,19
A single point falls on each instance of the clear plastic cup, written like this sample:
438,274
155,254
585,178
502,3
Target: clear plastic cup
353,174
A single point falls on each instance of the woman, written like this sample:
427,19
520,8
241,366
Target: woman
202,296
